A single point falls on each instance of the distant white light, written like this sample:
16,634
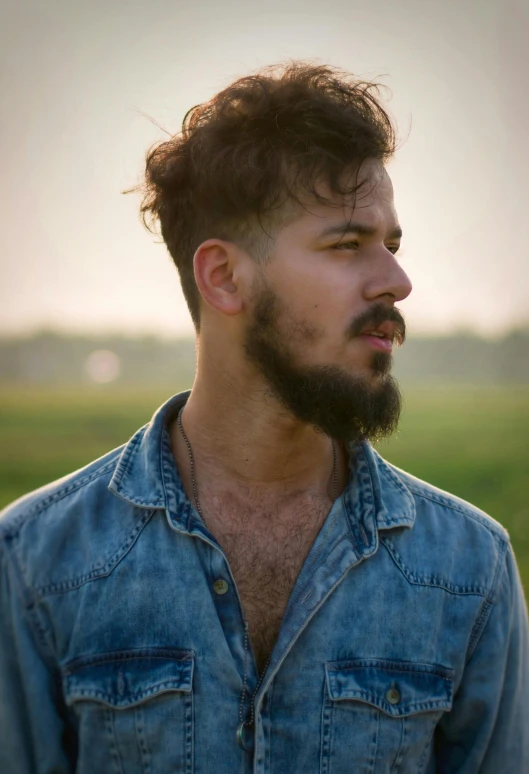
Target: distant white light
102,366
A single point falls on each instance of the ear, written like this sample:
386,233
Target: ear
216,265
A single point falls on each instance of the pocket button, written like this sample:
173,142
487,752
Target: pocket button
393,696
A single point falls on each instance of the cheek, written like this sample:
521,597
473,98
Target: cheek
333,310
325,328
320,304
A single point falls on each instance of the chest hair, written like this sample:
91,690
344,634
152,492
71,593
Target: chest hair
266,547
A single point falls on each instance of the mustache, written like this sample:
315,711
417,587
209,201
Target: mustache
375,316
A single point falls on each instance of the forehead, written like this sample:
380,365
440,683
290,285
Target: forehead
372,204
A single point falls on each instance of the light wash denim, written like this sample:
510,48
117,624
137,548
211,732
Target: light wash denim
404,646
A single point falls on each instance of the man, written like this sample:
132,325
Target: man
246,585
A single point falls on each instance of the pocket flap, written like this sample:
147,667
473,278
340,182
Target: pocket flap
396,687
128,677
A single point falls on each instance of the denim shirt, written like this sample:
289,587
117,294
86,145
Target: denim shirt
403,648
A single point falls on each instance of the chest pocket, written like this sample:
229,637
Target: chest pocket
379,716
133,711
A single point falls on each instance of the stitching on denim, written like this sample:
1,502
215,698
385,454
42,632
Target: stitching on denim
189,751
422,760
403,734
122,470
398,521
101,570
34,510
324,730
392,475
175,499
366,497
497,531
478,628
445,673
129,655
183,508
374,741
270,736
43,638
429,580
497,574
141,738
34,617
415,488
111,734
482,619
165,470
164,685
386,472
149,503
130,448
392,709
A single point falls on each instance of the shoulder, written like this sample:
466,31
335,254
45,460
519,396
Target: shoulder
70,530
30,506
447,505
452,543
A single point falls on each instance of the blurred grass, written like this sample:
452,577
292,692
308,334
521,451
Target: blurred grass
470,441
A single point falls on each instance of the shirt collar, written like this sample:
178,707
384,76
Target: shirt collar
146,476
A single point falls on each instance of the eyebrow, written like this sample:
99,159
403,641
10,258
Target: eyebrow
347,227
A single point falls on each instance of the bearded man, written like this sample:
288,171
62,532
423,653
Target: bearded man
246,585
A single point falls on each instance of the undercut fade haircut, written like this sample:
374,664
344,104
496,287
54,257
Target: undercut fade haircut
248,161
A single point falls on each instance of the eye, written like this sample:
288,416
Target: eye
353,245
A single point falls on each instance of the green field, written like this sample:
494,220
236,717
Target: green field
470,441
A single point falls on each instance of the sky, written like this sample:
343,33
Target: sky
78,81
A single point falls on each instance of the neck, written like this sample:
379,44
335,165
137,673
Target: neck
241,444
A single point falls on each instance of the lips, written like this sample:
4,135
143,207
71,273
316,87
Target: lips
377,342
385,330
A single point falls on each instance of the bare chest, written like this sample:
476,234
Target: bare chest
266,553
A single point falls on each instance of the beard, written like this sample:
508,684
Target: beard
334,401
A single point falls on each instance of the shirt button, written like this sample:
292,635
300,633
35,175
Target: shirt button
220,586
393,696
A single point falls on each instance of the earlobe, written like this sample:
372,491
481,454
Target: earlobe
214,263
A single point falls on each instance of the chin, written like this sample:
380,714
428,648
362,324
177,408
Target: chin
370,373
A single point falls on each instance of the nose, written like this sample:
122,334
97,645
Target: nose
388,279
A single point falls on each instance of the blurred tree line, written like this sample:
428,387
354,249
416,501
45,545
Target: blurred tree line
52,358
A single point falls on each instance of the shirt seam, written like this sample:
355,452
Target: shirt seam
482,619
30,609
27,516
500,533
429,580
101,570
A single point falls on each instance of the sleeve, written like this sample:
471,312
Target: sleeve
31,728
487,730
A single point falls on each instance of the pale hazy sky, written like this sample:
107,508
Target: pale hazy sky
75,78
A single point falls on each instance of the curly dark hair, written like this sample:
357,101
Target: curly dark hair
247,160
